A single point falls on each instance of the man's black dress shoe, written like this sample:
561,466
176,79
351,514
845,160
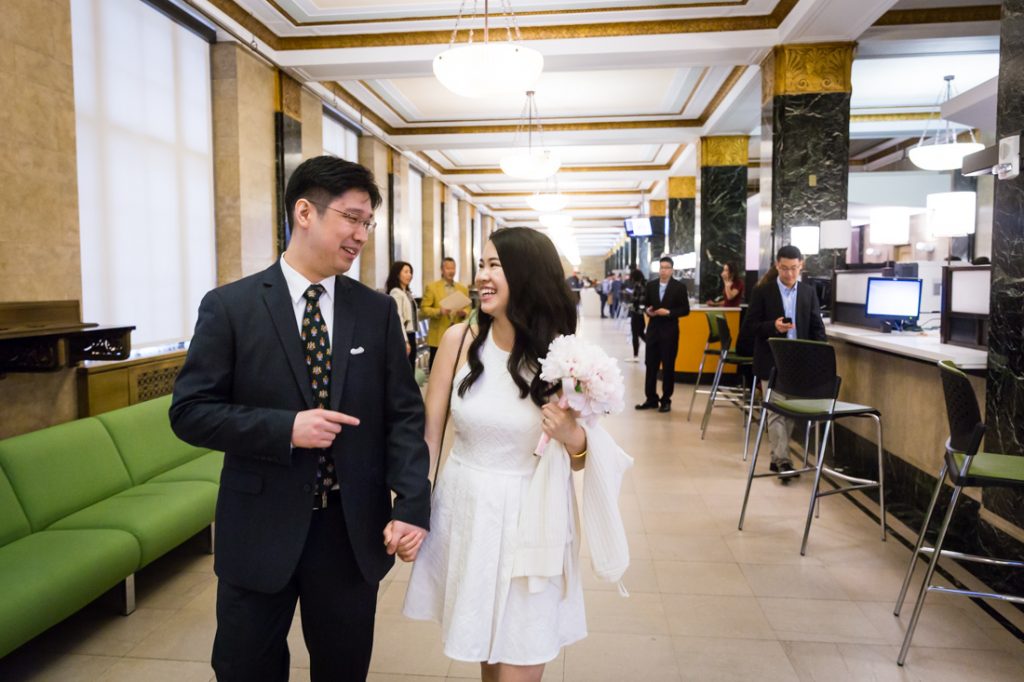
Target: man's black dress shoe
784,467
647,406
665,406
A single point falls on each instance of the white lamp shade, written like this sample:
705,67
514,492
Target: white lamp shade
835,234
533,164
951,214
546,202
890,226
686,261
939,157
805,238
488,69
555,221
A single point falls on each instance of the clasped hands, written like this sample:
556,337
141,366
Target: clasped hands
317,429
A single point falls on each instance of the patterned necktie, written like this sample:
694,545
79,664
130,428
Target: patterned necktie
316,342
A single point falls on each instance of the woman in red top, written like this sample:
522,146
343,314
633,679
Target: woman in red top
732,287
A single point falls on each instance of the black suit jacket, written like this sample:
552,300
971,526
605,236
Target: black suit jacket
241,386
676,301
765,308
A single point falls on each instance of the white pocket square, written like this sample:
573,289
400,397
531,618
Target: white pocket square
357,351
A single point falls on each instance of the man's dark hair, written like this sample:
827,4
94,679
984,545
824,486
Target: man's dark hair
668,260
447,259
322,179
789,251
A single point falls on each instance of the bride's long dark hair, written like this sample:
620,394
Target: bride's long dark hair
540,308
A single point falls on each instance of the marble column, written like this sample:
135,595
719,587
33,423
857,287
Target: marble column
721,210
374,262
682,211
433,190
658,238
805,149
1004,393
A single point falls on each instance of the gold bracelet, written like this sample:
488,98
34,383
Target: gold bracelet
579,456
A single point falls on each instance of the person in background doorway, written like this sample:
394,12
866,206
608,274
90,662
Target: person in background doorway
397,286
441,318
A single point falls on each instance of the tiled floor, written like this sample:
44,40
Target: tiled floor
707,602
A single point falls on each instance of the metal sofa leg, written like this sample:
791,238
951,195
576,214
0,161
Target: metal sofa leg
127,595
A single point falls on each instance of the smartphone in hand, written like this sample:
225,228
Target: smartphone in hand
787,320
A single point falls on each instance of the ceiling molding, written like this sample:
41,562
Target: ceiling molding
537,13
561,32
580,169
919,116
939,15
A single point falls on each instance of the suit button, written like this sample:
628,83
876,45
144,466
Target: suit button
307,488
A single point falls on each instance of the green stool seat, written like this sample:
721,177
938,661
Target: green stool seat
819,408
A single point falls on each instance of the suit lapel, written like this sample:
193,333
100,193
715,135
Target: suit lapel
341,338
282,313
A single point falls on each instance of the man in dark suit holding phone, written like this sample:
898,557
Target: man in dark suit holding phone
667,301
781,307
300,376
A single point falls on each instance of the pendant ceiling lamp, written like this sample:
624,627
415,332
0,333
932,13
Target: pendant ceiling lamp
549,199
943,152
530,163
490,68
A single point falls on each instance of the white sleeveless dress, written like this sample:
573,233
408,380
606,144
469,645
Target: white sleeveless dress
462,577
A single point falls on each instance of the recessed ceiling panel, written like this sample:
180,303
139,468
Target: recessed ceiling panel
917,81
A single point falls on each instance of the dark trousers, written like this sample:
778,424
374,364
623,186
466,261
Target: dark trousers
662,346
433,352
337,605
411,338
604,302
636,325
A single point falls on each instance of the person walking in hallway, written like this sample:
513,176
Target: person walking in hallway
299,374
441,318
781,307
397,286
667,301
637,305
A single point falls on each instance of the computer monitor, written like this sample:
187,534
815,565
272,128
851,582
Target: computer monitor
641,226
628,224
893,299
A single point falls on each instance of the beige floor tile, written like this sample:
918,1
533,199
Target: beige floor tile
152,670
704,659
605,657
685,522
820,620
818,662
64,668
174,590
679,547
403,646
185,636
956,665
686,577
802,581
638,614
703,616
112,634
940,625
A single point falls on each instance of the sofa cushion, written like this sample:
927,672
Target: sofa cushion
205,468
49,575
13,524
143,436
61,469
160,515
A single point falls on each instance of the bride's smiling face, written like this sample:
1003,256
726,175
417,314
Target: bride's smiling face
491,283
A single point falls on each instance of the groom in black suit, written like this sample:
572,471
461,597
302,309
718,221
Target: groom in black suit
300,376
667,301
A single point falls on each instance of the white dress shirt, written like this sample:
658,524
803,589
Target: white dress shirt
297,285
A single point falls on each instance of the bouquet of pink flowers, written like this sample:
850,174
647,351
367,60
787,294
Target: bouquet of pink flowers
591,382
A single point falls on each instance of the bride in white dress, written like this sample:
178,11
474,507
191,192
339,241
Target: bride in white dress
462,577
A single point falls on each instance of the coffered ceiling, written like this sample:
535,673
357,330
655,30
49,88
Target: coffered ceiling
628,85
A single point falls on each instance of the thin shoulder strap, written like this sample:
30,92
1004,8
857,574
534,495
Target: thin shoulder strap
448,404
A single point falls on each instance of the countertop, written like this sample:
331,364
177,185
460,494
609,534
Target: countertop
917,345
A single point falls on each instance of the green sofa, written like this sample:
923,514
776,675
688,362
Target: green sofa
83,505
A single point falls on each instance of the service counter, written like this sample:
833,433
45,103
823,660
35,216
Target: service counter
693,334
897,374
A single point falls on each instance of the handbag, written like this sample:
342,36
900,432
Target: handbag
448,405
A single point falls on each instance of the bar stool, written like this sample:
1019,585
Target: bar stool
805,374
708,350
966,468
726,356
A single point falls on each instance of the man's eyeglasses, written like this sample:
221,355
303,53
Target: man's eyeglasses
368,223
791,268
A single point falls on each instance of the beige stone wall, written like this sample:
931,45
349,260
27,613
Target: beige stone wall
465,256
40,258
244,169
